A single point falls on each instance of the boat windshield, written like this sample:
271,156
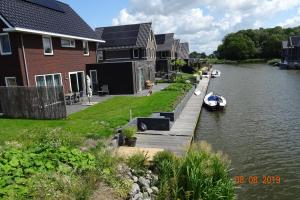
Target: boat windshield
215,98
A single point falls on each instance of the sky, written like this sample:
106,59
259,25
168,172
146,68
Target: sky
202,23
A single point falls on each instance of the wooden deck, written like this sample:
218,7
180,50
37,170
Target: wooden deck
179,138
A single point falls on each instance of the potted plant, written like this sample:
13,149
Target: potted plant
129,133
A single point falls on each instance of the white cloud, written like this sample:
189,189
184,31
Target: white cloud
291,22
204,23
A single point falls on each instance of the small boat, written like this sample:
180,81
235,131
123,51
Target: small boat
214,101
277,64
215,73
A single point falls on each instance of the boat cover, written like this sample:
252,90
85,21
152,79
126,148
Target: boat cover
214,98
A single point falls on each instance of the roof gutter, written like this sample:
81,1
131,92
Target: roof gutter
17,29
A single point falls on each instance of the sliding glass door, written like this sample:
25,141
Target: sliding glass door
77,82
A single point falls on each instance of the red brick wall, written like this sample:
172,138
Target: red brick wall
10,64
63,60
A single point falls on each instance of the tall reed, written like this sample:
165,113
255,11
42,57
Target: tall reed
200,174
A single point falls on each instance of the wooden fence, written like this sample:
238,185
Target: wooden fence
33,102
0,107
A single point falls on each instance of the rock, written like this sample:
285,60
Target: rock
149,177
135,179
148,182
145,195
129,174
154,180
154,189
144,182
135,189
149,190
138,196
149,172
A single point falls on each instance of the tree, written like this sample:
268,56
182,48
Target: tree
237,47
178,64
203,55
195,54
258,43
271,48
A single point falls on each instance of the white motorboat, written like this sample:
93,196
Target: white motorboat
214,101
215,73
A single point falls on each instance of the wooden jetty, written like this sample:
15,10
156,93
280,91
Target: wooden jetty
179,138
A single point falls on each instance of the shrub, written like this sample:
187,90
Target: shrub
138,162
129,131
107,166
160,158
18,166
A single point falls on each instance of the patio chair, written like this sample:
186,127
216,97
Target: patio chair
104,90
69,98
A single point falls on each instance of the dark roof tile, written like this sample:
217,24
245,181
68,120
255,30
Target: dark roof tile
184,50
133,35
164,42
26,15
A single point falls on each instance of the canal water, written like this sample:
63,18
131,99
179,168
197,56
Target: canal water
259,129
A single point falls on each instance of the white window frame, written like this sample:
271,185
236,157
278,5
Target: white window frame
87,42
48,37
44,75
70,44
1,50
144,53
84,80
11,77
138,53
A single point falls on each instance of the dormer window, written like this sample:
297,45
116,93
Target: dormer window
5,48
47,44
86,50
67,43
136,53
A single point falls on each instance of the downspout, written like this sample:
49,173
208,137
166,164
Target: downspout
25,62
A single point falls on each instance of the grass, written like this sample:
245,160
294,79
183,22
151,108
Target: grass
200,174
98,121
59,179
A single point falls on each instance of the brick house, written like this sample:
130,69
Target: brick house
126,60
44,43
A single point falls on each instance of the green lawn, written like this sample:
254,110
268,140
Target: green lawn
100,120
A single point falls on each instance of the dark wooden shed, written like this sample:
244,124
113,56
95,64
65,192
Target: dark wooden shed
122,77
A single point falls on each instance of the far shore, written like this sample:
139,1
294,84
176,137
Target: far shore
247,61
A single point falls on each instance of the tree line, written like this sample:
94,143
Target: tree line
252,44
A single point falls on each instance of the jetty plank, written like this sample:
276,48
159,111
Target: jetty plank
179,138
